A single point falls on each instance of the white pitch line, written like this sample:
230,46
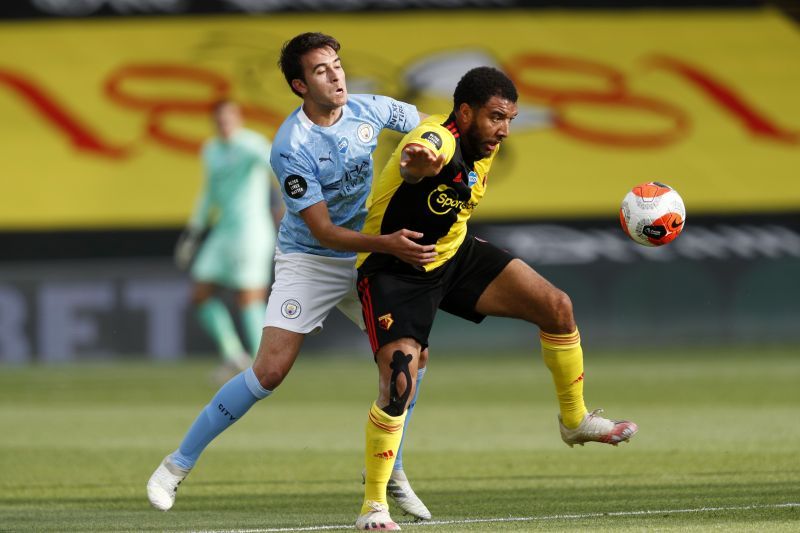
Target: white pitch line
518,518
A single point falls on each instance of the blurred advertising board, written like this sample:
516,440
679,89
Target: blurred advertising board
718,284
103,118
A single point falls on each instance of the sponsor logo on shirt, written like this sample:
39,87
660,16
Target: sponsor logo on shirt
444,199
397,116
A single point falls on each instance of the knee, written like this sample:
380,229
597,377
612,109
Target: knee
397,370
560,317
268,376
201,294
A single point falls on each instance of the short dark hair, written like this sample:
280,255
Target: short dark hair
477,86
295,48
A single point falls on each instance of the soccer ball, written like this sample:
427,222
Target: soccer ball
652,214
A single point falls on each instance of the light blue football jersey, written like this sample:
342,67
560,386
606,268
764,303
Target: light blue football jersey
334,163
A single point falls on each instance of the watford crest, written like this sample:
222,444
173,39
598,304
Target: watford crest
386,321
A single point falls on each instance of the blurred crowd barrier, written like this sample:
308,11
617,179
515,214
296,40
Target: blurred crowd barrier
104,112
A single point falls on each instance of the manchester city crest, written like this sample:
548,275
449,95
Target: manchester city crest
365,132
290,309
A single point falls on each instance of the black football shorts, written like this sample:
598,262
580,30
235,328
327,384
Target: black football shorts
399,301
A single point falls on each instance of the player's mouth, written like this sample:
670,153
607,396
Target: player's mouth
491,146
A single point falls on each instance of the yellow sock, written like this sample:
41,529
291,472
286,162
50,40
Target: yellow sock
564,357
383,438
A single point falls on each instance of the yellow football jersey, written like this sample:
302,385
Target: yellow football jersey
438,206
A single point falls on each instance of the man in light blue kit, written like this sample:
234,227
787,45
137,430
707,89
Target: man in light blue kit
235,210
322,156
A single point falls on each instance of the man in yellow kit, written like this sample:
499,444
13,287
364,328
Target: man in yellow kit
431,185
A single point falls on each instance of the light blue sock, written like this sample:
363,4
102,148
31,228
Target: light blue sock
230,403
398,462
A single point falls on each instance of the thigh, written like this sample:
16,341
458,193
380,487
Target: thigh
476,265
397,306
520,292
305,291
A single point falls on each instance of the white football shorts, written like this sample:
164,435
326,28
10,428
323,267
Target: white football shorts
307,287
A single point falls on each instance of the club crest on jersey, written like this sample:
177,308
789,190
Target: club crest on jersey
290,309
472,178
342,144
386,321
365,132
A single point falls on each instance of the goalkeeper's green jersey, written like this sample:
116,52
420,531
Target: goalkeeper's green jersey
235,197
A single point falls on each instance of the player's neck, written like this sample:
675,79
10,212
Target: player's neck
322,116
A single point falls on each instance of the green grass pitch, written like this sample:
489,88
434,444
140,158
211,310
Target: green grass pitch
718,447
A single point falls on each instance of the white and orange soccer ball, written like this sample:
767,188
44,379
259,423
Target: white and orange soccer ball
652,214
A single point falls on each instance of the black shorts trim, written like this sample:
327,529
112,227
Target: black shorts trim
401,302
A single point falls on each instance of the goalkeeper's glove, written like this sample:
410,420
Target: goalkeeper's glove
187,246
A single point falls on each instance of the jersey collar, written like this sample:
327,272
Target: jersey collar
308,124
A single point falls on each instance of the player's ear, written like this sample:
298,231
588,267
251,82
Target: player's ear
466,112
299,86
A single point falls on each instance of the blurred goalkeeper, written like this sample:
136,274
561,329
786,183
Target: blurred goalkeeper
230,238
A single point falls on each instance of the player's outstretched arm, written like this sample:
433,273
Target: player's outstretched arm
417,162
399,244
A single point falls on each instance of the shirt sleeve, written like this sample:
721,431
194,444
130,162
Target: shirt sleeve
434,137
299,184
199,218
394,114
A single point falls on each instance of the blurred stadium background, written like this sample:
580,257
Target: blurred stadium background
104,107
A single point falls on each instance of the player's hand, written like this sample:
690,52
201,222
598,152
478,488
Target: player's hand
186,247
401,245
417,162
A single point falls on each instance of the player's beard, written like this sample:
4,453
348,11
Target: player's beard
477,146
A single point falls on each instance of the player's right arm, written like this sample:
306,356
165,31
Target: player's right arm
426,151
398,244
